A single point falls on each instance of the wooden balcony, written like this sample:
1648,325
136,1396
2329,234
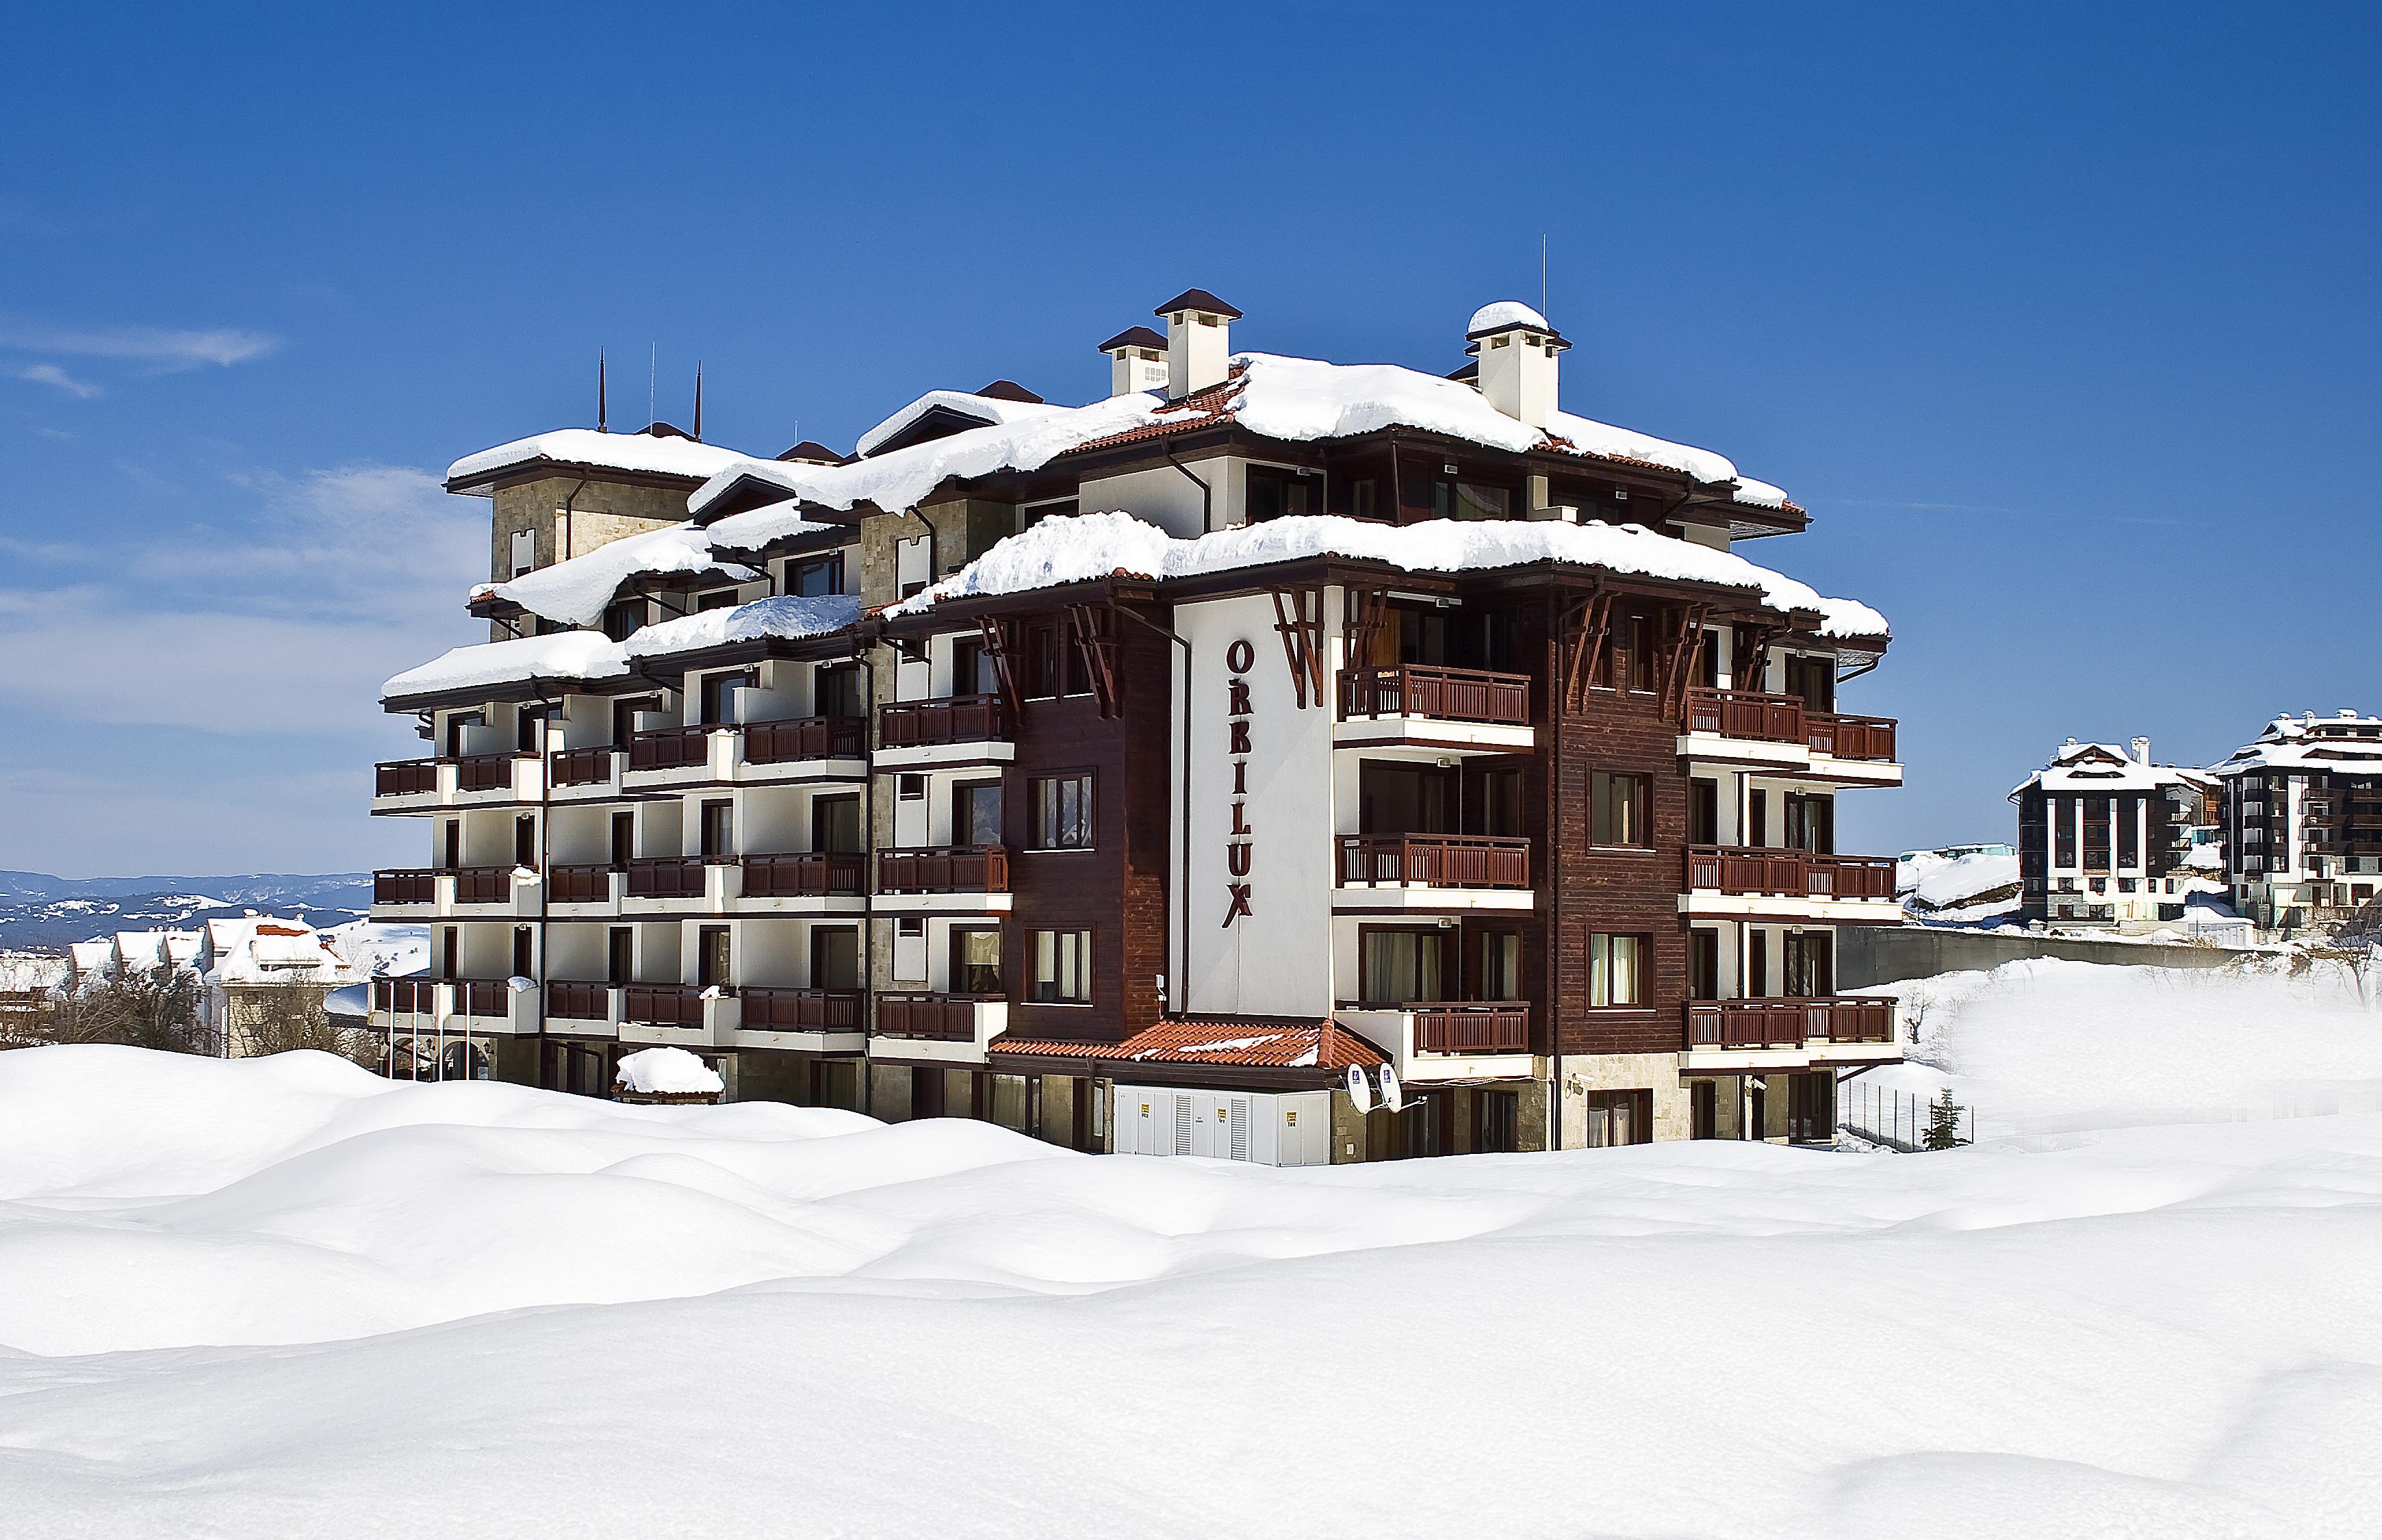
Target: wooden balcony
405,777
406,885
1751,870
570,1000
807,738
662,1004
812,874
491,998
483,884
580,884
948,869
669,748
1464,1028
581,767
667,876
1749,715
407,997
486,772
936,1017
1789,1021
1434,860
769,1009
1449,694
953,719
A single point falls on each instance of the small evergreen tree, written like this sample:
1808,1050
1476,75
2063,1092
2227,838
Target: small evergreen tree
1943,1122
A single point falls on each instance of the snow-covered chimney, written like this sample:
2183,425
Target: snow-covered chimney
1137,360
2142,750
1198,341
1516,349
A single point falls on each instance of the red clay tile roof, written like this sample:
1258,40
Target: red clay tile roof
1250,1042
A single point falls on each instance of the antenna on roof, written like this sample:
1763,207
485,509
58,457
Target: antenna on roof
653,352
1542,275
601,426
698,401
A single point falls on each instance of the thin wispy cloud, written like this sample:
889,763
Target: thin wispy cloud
51,374
160,348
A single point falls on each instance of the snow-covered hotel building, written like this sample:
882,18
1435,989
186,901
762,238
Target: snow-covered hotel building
2301,810
1274,759
2105,837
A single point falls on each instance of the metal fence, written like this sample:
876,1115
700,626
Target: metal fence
1896,1119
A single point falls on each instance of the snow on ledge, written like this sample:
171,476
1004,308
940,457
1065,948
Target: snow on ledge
1086,547
576,591
667,1073
636,452
785,617
579,655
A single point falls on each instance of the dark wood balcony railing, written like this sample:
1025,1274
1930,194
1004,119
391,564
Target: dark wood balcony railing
1435,860
570,1000
1450,1028
947,869
801,1009
405,777
1450,694
486,772
940,1017
491,998
1789,1022
1786,719
1842,736
669,748
579,884
808,875
954,719
405,997
582,766
662,1004
410,886
1797,874
666,877
484,885
809,738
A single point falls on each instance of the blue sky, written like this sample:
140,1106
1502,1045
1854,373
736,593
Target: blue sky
2059,320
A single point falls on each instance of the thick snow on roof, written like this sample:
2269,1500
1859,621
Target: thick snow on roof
995,409
281,951
562,656
2342,741
1960,882
667,1073
783,616
1092,546
2104,768
1500,314
639,452
756,528
576,592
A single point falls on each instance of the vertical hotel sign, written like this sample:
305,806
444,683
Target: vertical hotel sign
1238,841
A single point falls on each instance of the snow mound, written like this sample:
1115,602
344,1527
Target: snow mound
668,1072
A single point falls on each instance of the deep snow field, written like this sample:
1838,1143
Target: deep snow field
285,1298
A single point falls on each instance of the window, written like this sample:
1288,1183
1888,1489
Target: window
1063,967
1704,965
1053,663
719,828
976,959
622,620
1499,968
524,953
1470,500
1034,513
524,550
1364,500
619,956
837,691
835,957
529,730
718,598
1501,802
815,577
975,812
719,696
1620,1118
910,788
835,825
1500,1122
1398,967
1617,809
1613,969
525,841
1274,492
1062,811
1704,812
711,955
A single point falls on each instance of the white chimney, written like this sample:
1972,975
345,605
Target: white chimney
1198,341
1137,360
2142,750
1516,349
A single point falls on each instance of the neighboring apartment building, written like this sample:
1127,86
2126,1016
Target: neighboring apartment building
242,969
2105,836
1299,762
2303,819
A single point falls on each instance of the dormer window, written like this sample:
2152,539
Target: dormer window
623,619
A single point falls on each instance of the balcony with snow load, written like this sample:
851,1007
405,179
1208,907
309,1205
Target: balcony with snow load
941,1028
1764,1035
402,785
1429,712
417,893
943,879
1379,874
945,730
1744,729
1730,882
455,1007
1447,1040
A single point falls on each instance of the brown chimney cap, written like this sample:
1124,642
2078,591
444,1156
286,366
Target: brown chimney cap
1133,336
1009,390
811,449
1198,300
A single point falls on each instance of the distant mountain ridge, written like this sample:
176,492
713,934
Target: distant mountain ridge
41,912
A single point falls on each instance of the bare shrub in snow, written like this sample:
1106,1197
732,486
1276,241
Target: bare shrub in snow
154,1009
293,1019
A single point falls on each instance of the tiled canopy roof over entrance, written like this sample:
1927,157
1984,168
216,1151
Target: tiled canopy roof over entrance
1247,1042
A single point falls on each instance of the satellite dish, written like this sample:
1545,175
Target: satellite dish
1360,1090
1394,1096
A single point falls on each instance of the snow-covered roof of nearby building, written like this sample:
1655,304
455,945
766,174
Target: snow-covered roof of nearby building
576,591
667,1073
756,528
91,957
281,951
149,949
645,454
1965,881
1084,547
783,616
993,409
580,656
2344,741
2106,767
